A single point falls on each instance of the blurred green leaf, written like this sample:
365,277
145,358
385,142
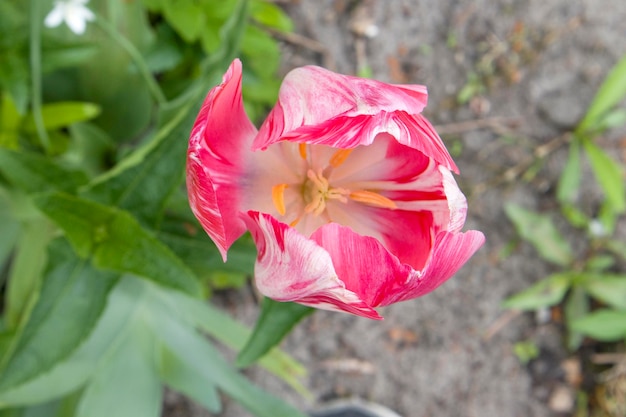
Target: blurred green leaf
545,293
115,241
181,377
539,230
198,354
576,306
233,334
604,325
56,54
610,93
600,263
91,148
72,298
70,374
613,119
10,227
608,288
526,351
574,215
270,15
261,52
127,382
62,114
145,179
569,181
274,323
185,16
35,173
14,72
609,175
9,123
617,247
198,251
26,270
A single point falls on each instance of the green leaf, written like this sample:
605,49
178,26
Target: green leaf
569,182
234,335
70,374
9,123
127,382
610,93
181,377
600,263
608,174
144,180
198,354
271,15
10,227
576,306
57,55
539,230
35,173
604,325
261,52
116,241
27,270
186,17
72,298
545,293
275,321
196,249
57,115
608,288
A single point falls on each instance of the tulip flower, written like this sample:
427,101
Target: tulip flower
346,189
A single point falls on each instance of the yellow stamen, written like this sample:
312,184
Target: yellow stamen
302,150
339,157
278,196
372,198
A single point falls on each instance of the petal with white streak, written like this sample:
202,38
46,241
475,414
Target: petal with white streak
318,106
291,267
219,141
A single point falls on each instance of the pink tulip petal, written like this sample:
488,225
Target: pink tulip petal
364,265
317,106
291,267
220,137
450,252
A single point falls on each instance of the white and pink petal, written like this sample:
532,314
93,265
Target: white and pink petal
220,138
291,267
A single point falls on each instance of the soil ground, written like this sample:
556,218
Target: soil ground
528,69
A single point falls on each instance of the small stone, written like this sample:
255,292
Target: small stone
562,399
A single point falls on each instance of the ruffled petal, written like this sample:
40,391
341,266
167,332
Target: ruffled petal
450,252
364,265
291,267
219,141
318,106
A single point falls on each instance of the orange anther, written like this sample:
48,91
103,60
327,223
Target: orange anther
339,157
372,198
278,197
302,150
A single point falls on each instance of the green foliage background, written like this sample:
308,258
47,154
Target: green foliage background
104,270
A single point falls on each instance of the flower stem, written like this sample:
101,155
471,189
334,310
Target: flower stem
130,49
35,72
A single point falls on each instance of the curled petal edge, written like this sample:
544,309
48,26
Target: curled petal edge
291,267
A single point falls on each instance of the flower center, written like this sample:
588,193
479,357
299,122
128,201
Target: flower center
316,190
